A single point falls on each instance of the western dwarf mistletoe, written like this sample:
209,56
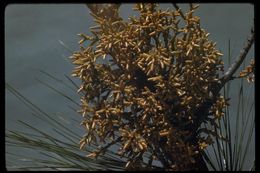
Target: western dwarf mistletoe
148,84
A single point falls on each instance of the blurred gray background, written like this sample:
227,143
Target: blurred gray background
33,33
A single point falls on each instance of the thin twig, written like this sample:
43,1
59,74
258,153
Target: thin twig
233,68
179,10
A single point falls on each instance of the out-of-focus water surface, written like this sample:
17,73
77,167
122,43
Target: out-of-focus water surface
32,43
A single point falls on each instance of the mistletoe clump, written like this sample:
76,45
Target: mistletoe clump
147,85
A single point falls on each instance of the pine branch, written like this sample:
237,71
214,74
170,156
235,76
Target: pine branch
179,10
233,68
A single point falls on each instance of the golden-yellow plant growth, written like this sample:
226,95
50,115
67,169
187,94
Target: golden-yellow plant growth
249,71
145,82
